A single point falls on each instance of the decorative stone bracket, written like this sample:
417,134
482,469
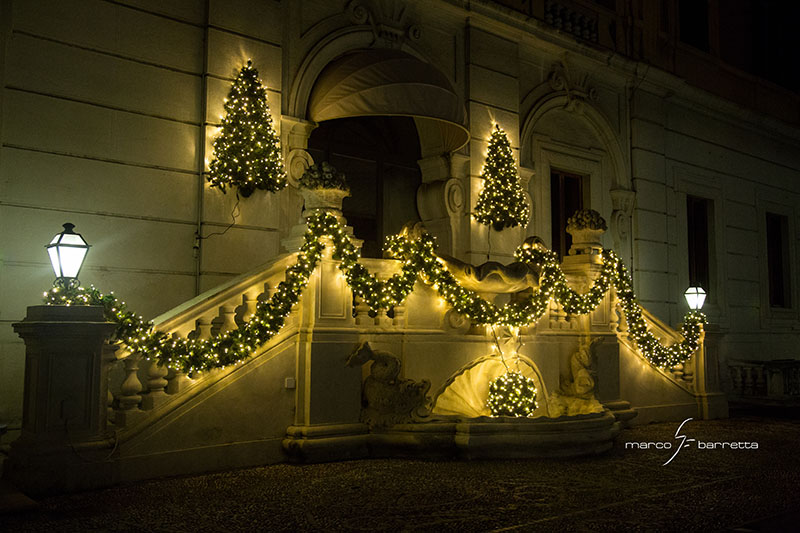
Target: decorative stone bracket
622,201
388,21
576,88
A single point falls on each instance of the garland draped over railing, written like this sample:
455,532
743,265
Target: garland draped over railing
419,262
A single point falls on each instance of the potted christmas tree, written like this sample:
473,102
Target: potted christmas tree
247,152
501,203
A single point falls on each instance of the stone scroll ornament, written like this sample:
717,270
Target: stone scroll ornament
386,399
416,253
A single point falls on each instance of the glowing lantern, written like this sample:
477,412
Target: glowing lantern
695,297
67,251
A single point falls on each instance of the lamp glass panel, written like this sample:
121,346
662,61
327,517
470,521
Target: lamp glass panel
71,260
53,253
72,238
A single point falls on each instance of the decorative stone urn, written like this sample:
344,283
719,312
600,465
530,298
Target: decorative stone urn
329,200
586,241
586,227
324,189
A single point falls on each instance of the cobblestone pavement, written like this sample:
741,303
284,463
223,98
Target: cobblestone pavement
625,489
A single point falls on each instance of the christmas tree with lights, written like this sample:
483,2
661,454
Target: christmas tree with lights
247,152
501,203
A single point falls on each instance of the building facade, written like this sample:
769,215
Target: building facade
682,143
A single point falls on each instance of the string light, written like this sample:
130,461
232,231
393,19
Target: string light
501,203
419,261
512,394
247,151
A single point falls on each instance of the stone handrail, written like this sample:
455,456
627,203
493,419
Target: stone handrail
682,373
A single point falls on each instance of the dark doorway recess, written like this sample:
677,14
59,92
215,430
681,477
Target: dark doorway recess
566,197
378,156
698,212
778,268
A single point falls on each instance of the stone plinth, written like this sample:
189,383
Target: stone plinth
66,395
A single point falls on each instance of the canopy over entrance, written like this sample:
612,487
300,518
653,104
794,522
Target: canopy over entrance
390,83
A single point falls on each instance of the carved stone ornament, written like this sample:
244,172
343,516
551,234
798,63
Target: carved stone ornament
492,277
387,400
576,396
622,201
456,321
296,164
575,87
455,196
387,19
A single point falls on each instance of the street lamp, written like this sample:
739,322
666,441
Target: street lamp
67,251
695,297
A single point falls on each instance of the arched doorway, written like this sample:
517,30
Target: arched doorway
379,112
378,155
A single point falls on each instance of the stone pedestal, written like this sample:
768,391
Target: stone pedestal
66,395
711,403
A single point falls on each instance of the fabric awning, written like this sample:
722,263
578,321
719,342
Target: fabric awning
390,83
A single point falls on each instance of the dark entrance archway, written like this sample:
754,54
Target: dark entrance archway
378,156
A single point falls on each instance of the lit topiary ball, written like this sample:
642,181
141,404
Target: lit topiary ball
512,394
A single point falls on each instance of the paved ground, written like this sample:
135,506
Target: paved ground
630,490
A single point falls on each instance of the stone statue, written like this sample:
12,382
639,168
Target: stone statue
387,400
576,396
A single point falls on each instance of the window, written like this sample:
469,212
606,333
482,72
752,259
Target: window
693,23
778,261
698,213
566,197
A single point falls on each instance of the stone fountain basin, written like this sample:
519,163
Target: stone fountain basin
499,438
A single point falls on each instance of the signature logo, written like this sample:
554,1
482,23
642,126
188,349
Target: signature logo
683,441
683,444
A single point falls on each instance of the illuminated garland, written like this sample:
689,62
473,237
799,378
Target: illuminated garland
419,262
512,394
247,152
501,203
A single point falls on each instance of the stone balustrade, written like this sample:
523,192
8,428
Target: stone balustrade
139,385
779,378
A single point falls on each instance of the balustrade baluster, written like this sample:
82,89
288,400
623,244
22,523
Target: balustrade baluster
131,386
250,304
399,315
228,315
156,384
677,371
736,379
362,313
688,369
760,381
747,388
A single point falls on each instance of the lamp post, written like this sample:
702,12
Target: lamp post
65,437
67,251
695,297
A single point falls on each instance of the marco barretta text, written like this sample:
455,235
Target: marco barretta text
700,445
682,441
